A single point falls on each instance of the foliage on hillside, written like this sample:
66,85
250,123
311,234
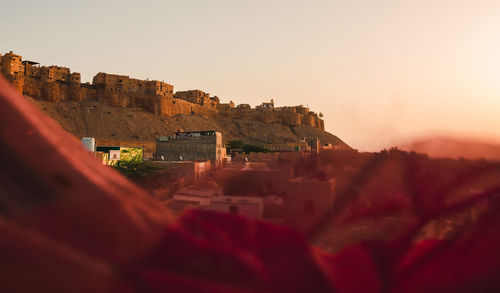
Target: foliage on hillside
245,147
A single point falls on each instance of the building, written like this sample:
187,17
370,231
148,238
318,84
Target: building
289,147
198,97
111,155
200,197
53,83
253,179
12,64
124,84
330,146
56,83
308,201
193,96
54,73
89,144
313,143
266,106
225,106
75,78
191,146
13,69
31,69
243,107
248,206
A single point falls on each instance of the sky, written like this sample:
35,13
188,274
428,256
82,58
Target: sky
382,72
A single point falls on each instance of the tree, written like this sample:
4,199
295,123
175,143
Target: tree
235,144
250,148
245,147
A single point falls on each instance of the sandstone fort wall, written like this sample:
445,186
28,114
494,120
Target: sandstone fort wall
54,83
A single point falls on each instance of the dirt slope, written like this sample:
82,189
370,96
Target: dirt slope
93,119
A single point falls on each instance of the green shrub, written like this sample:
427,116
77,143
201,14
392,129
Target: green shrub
235,144
245,147
135,167
250,148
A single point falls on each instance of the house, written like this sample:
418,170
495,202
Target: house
248,206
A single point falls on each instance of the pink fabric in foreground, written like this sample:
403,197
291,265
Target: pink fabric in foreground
70,224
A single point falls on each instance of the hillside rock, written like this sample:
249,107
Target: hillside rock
90,118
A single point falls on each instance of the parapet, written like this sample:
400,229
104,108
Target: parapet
243,107
124,84
265,105
225,107
55,83
194,96
54,73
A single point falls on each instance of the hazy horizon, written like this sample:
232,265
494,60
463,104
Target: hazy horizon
382,72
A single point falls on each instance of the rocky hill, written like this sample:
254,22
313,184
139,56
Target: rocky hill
124,109
90,118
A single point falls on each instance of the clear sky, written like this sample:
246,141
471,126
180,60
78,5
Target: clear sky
382,72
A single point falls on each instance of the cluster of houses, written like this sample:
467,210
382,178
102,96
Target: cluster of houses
255,187
262,191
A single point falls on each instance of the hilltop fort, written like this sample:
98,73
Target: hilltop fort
54,83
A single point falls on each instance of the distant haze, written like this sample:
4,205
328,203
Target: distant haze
382,72
448,147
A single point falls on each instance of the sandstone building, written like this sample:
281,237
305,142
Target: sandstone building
12,69
191,146
55,83
226,107
193,96
123,91
267,113
265,106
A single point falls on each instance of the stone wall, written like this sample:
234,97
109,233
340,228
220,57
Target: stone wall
206,147
193,96
156,104
56,91
175,106
54,83
54,73
225,107
17,81
292,116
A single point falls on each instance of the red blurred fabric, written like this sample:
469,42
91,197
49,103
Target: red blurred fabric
70,224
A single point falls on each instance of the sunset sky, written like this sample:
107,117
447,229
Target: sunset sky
382,72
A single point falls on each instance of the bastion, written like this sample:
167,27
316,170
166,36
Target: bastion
55,84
